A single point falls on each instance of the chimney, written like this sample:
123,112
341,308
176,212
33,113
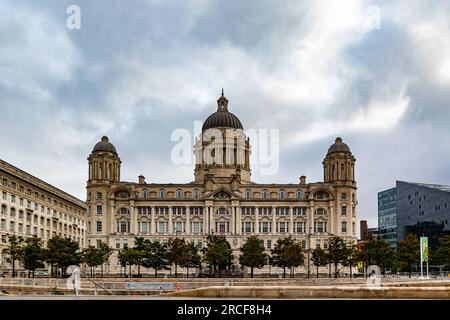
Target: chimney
303,180
141,179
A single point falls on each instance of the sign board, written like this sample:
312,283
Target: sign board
423,249
150,286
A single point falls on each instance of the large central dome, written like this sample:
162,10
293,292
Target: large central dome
222,118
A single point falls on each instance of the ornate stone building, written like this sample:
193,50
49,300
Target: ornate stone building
30,206
222,198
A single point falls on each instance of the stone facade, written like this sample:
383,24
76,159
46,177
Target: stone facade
30,206
222,198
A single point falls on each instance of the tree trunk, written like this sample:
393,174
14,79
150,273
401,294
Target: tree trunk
13,268
351,275
187,272
139,269
284,272
335,270
156,273
101,271
329,270
176,269
317,272
251,272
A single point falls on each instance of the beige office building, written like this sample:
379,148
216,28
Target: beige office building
30,206
222,198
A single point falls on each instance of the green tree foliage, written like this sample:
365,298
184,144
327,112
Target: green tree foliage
337,252
92,257
442,253
319,258
14,251
193,258
61,253
377,251
177,252
32,256
155,256
217,254
253,254
408,252
351,257
287,253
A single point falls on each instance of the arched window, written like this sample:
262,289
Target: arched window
248,194
162,193
179,194
196,194
332,172
321,195
298,194
145,193
282,194
343,175
122,194
101,170
265,194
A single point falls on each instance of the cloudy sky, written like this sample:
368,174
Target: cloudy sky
376,73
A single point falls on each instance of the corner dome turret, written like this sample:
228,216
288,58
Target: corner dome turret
338,146
105,146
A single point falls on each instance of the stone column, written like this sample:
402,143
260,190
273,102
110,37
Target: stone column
212,224
256,220
239,220
152,222
188,222
291,220
133,226
205,220
233,220
170,221
111,217
274,229
333,220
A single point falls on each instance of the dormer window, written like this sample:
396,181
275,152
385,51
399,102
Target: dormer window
162,193
248,194
179,194
282,194
265,194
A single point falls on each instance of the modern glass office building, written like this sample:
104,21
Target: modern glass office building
387,216
423,209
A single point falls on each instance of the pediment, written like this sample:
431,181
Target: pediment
222,194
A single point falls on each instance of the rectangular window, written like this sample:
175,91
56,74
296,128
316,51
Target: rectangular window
162,210
299,227
3,224
248,228
264,227
318,243
265,211
282,211
13,198
161,226
99,196
344,210
117,244
3,209
144,227
269,244
197,210
179,210
343,196
124,226
320,226
99,209
178,227
4,195
248,211
282,227
344,227
196,227
11,226
99,226
299,211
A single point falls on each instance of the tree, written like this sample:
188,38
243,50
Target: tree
177,252
409,252
194,259
92,257
378,252
140,245
351,258
442,253
105,253
253,254
62,252
155,256
128,256
337,252
287,253
319,258
32,256
14,251
217,253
